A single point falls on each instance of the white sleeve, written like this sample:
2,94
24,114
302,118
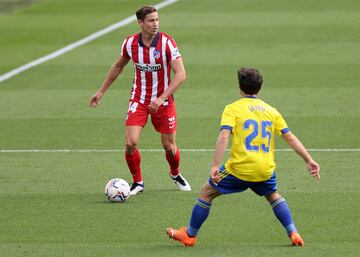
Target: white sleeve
174,51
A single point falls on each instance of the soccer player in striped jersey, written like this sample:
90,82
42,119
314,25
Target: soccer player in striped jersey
154,55
252,125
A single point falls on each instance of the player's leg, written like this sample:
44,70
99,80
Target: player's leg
164,121
200,212
172,155
228,184
280,208
133,158
283,214
281,211
136,119
201,209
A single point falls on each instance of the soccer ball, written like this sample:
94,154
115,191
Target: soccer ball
117,190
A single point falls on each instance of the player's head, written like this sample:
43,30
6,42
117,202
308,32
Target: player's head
148,19
250,80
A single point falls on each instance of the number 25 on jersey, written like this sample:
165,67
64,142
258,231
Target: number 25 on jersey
265,134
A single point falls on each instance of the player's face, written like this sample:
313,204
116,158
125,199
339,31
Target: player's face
150,25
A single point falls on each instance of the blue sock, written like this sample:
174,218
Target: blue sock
199,214
283,214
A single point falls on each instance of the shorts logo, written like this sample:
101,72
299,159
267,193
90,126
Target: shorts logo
156,54
171,122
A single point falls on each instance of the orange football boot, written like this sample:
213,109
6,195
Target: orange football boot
181,235
296,239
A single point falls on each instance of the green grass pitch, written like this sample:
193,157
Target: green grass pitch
52,203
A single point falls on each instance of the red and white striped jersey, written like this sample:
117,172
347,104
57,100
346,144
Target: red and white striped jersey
151,64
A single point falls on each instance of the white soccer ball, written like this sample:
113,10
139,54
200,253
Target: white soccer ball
117,190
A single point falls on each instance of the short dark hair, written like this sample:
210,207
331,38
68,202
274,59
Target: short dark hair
143,11
250,80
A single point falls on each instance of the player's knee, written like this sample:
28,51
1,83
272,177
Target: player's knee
130,147
208,193
272,197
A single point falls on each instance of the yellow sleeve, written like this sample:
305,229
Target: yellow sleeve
280,125
228,119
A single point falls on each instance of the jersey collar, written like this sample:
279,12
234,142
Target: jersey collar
153,43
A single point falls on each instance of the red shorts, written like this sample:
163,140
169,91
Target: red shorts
164,120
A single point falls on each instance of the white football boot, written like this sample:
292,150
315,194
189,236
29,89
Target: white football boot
136,188
181,183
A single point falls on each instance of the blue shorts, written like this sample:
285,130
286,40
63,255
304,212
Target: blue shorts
230,184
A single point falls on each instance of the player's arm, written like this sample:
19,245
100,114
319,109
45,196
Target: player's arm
299,148
111,76
221,144
178,68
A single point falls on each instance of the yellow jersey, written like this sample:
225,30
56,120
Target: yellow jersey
253,124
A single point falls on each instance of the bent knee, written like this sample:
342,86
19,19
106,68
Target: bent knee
273,197
208,193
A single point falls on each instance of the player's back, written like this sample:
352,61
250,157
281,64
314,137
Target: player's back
254,124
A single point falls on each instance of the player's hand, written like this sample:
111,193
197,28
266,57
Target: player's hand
95,99
214,174
154,105
314,169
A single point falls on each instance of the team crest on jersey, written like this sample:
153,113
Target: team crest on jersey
156,54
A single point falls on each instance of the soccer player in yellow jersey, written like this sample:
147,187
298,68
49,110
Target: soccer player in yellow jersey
252,125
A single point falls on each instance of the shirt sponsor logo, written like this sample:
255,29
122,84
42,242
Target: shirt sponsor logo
148,67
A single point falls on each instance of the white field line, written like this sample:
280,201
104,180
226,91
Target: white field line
76,44
155,150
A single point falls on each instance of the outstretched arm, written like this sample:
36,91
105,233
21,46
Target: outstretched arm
177,67
221,144
113,73
299,148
